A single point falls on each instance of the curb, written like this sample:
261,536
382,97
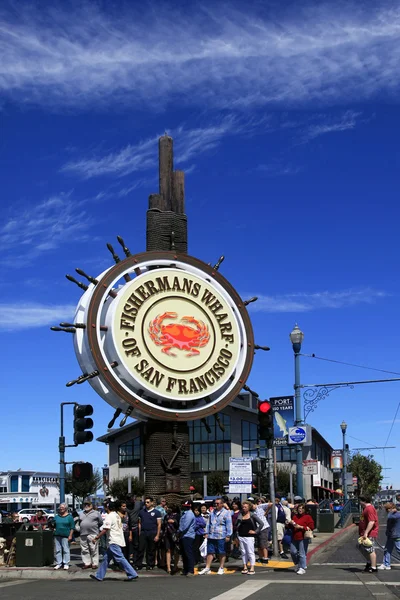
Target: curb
313,553
50,574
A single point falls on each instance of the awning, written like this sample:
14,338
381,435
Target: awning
320,487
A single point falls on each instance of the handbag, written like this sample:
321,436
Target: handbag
308,534
203,548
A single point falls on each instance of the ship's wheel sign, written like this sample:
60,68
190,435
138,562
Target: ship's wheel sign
167,335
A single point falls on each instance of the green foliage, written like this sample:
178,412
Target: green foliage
118,488
368,473
282,480
86,488
216,482
197,483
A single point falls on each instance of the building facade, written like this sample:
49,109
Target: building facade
27,489
235,435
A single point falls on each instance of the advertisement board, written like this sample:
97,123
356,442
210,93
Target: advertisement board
310,467
240,475
337,461
283,411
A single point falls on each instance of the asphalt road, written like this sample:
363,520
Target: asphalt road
320,583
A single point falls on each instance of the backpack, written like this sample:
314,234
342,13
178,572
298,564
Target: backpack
281,516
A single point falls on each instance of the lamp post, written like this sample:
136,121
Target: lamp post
343,427
296,337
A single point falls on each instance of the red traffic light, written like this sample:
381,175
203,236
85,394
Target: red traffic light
264,407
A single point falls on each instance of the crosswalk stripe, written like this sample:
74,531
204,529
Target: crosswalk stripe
242,591
8,583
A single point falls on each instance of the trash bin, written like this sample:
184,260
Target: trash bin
34,548
326,522
312,510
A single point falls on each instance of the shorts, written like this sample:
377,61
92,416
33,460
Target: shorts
368,549
280,530
262,539
216,546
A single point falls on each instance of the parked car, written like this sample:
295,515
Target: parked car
25,514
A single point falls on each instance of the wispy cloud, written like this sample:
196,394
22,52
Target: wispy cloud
35,229
347,120
15,317
191,142
214,57
278,170
305,302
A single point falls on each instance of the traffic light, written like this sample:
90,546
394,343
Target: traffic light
81,423
82,472
265,422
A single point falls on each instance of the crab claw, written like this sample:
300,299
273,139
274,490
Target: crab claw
169,315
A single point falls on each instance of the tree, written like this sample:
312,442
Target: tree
216,482
86,488
118,488
282,480
368,473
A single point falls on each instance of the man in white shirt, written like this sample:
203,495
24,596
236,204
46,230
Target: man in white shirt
260,507
112,527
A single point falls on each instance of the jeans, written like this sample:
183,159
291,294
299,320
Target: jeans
134,546
62,554
187,555
298,553
389,547
114,551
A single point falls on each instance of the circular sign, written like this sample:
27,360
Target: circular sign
297,435
166,336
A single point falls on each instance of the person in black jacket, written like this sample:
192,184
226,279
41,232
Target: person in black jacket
134,506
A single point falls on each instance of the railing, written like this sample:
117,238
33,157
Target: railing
350,507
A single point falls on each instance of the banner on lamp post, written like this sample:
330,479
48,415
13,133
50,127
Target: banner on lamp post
283,411
337,461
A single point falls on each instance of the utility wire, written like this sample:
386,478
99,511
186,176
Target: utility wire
393,422
358,440
340,362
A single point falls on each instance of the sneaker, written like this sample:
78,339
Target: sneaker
264,561
301,572
205,571
384,568
221,571
94,577
367,568
283,555
57,567
131,578
66,567
296,568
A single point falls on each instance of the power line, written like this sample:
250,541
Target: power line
393,422
358,440
340,362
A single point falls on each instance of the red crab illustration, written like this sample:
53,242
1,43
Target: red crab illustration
179,335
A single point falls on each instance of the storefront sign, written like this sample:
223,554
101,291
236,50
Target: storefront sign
310,467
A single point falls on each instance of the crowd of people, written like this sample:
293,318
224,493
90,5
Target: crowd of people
137,534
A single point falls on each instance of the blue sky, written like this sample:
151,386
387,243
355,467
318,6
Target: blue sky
286,123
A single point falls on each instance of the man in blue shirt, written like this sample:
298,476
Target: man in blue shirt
392,535
149,533
218,531
187,532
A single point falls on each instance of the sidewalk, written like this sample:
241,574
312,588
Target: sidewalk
319,543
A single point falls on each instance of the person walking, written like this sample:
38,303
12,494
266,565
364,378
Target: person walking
112,527
90,522
249,525
149,533
218,531
392,535
187,533
301,524
368,530
64,530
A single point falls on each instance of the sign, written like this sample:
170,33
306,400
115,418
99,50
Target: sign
240,475
355,481
106,476
174,342
283,411
317,476
337,461
297,435
310,467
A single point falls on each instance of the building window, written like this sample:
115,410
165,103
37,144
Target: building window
129,453
285,454
210,451
25,483
250,440
14,483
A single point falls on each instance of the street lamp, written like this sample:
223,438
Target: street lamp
343,427
297,337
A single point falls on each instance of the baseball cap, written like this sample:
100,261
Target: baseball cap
250,498
298,499
187,504
278,496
